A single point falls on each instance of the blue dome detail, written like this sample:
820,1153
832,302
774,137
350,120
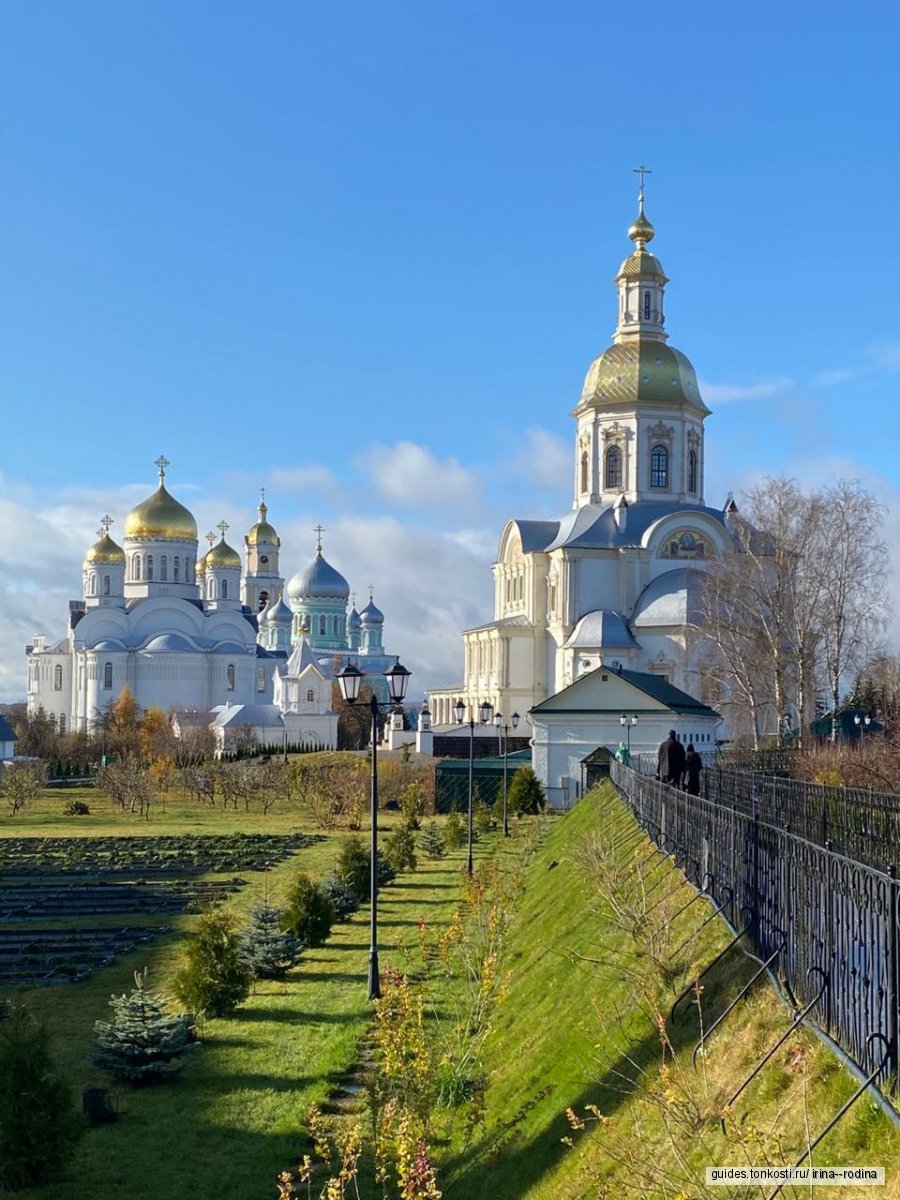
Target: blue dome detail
353,621
168,642
278,614
320,581
371,614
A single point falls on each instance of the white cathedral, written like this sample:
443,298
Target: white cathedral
211,638
615,581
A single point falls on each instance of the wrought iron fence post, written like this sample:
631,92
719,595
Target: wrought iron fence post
824,817
894,978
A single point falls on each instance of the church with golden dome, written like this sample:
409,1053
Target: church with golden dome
217,637
615,582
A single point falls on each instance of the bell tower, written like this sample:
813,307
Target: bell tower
262,584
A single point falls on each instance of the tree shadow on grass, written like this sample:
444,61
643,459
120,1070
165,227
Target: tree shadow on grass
292,1017
501,1167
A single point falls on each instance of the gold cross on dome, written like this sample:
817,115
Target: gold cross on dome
642,171
211,538
223,526
105,523
162,462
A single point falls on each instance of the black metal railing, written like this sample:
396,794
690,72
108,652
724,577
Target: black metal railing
820,916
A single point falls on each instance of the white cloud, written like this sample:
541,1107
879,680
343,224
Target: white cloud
300,479
885,355
836,376
545,460
730,393
408,474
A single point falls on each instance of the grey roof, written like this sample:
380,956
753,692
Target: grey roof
536,535
673,598
319,581
302,656
519,621
593,527
7,733
602,629
654,686
279,613
249,714
168,642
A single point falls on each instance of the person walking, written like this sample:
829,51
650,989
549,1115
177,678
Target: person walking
670,760
693,765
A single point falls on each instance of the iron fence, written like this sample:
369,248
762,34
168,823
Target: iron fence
826,924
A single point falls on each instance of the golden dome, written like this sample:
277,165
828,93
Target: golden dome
160,516
221,555
642,263
262,531
105,551
641,371
641,232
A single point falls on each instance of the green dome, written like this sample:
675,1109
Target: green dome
647,371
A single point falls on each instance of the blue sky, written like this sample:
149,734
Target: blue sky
363,256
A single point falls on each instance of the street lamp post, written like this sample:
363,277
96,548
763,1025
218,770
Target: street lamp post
349,679
628,724
485,710
498,721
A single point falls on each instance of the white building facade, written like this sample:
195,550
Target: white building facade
616,580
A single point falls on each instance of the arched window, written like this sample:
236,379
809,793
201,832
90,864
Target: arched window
584,471
692,471
62,722
323,625
175,569
310,695
260,679
105,585
107,677
149,567
57,678
230,677
613,467
92,584
262,602
136,568
188,568
659,467
163,567
646,306
224,592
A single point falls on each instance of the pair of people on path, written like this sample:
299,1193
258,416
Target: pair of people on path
677,766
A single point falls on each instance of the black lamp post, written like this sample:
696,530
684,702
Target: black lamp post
628,723
349,679
498,721
485,710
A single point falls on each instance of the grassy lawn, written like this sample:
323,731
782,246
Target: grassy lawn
231,1121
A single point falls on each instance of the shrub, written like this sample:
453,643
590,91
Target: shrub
143,1043
412,805
432,841
525,793
482,817
342,897
269,950
400,850
38,1126
76,808
308,912
214,979
353,867
454,833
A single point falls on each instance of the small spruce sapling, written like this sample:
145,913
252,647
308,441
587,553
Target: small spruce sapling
268,949
342,897
354,867
525,793
400,850
432,842
214,979
308,912
38,1126
144,1043
412,805
454,834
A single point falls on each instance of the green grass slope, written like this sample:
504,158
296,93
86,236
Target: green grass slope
574,1032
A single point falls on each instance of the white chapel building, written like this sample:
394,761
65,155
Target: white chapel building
615,581
214,639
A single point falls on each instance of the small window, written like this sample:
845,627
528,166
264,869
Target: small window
659,467
323,625
210,589
57,678
163,567
261,679
692,472
136,568
230,677
646,306
613,467
105,585
263,601
149,567
175,564
584,471
62,722
107,677
224,592
92,584
263,559
310,695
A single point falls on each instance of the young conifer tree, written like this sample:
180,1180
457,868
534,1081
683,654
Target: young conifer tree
431,841
144,1043
268,950
214,979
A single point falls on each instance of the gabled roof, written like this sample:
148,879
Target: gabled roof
517,622
302,656
259,715
7,733
601,691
